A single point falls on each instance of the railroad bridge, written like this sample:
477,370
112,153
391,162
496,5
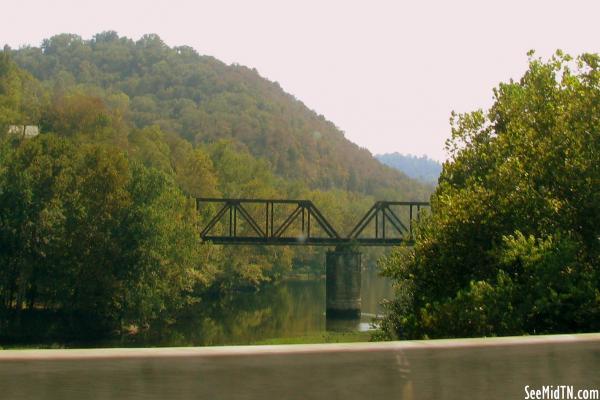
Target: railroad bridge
300,222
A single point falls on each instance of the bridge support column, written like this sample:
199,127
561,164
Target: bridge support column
343,274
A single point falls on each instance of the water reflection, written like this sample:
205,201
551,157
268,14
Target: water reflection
290,309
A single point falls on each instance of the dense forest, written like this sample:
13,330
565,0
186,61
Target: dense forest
98,227
512,245
421,168
204,100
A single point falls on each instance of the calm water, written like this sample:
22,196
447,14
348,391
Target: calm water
290,309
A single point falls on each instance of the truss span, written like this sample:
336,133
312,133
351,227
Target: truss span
300,222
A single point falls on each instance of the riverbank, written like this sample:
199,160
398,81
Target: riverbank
322,337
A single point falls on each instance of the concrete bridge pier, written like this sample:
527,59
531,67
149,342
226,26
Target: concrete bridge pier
343,274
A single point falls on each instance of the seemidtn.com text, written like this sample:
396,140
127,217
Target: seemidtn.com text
560,392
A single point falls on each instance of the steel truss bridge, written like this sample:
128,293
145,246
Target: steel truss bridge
299,222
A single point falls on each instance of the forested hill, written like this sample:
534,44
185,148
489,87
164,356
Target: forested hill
203,100
422,168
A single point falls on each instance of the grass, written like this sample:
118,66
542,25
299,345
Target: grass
315,338
32,346
323,337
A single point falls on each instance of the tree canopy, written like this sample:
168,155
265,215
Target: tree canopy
512,245
85,231
204,100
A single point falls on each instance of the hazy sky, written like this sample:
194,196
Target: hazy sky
388,73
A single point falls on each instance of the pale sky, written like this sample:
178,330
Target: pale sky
387,73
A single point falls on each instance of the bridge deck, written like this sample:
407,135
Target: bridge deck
289,241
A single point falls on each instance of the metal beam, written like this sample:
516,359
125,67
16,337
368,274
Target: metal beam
309,214
290,241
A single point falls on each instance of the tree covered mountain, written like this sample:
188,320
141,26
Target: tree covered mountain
97,228
421,168
204,100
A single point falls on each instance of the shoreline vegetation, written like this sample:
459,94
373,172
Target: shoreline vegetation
512,245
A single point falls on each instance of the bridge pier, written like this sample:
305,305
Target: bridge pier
343,282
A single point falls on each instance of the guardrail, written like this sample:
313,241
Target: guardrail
496,368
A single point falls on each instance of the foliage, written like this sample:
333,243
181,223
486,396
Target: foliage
84,231
203,100
83,116
512,245
21,95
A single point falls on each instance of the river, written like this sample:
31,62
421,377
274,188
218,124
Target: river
290,309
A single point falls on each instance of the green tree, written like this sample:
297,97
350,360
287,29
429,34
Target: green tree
512,244
84,117
102,241
21,96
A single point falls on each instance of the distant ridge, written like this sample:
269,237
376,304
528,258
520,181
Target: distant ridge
421,168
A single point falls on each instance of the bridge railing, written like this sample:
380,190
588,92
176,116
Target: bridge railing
300,222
